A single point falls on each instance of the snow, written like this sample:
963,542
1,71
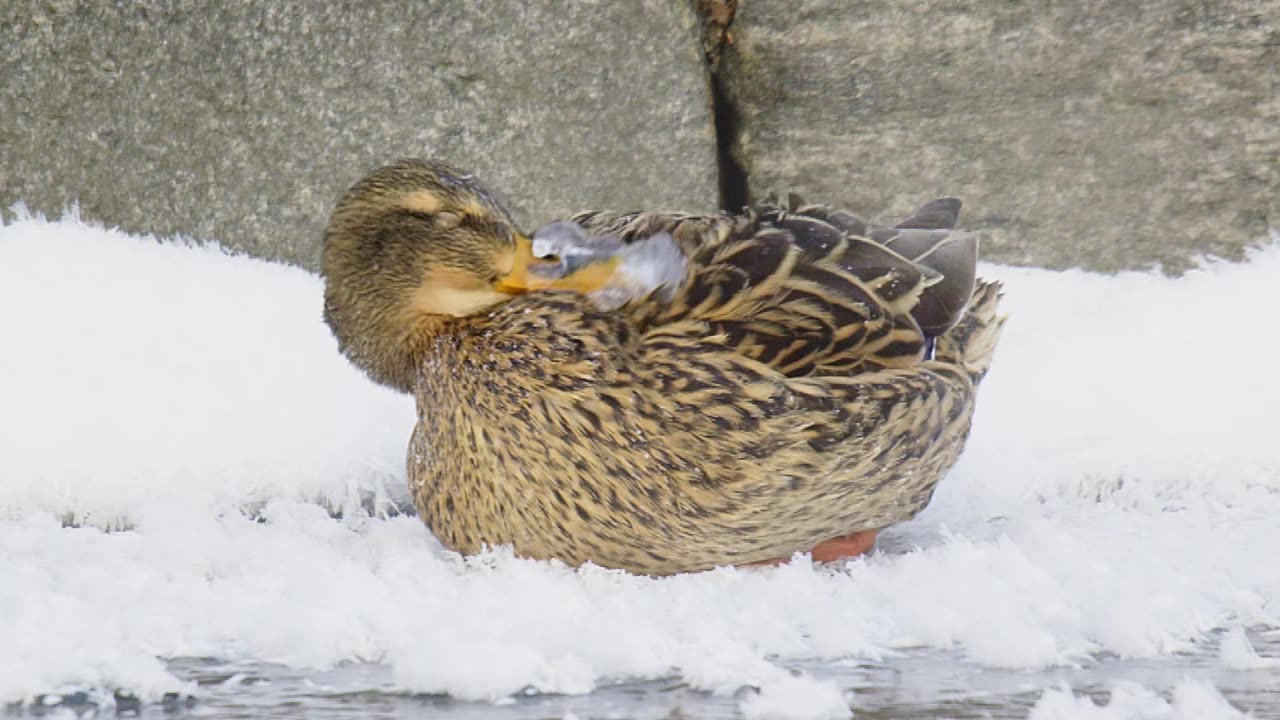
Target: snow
795,698
1192,700
1237,653
138,373
189,469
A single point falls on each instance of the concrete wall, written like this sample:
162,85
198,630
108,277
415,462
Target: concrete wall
244,121
1102,134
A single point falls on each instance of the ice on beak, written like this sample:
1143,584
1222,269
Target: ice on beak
574,247
652,266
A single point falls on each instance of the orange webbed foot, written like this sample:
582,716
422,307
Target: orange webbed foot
841,548
845,547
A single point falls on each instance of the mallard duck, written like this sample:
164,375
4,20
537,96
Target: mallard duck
807,381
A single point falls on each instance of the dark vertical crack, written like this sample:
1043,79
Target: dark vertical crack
716,17
733,176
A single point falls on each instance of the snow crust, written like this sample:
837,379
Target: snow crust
178,433
1192,700
1237,653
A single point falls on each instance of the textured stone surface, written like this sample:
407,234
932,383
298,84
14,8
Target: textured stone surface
1095,133
243,121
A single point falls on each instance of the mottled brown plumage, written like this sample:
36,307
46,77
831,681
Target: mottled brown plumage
782,398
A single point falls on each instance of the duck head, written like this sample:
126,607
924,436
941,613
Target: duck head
415,246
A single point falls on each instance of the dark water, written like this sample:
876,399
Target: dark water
925,684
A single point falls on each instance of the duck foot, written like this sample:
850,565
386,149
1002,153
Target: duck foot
846,546
841,548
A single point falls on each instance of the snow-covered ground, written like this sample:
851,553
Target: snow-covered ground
188,469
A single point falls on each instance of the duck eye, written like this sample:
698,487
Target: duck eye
550,258
447,220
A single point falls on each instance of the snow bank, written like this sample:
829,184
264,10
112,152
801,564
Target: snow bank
136,373
1120,489
1192,700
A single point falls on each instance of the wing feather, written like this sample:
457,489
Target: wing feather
806,289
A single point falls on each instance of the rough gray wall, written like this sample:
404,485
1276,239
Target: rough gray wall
1094,133
243,122
1097,133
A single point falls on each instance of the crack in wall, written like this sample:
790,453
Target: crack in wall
716,17
732,174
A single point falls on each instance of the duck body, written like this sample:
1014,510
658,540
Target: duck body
780,396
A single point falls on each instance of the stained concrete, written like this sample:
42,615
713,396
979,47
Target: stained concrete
244,121
1102,134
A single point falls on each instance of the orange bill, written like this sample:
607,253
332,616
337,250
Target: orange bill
525,276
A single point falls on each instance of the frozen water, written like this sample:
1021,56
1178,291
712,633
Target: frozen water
189,470
1237,653
1192,700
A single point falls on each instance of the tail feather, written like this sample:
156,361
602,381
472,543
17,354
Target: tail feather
953,256
946,258
972,341
940,214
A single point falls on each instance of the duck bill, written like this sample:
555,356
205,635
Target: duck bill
529,273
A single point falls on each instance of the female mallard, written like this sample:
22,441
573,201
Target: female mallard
778,395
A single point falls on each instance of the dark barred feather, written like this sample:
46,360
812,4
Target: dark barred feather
809,290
